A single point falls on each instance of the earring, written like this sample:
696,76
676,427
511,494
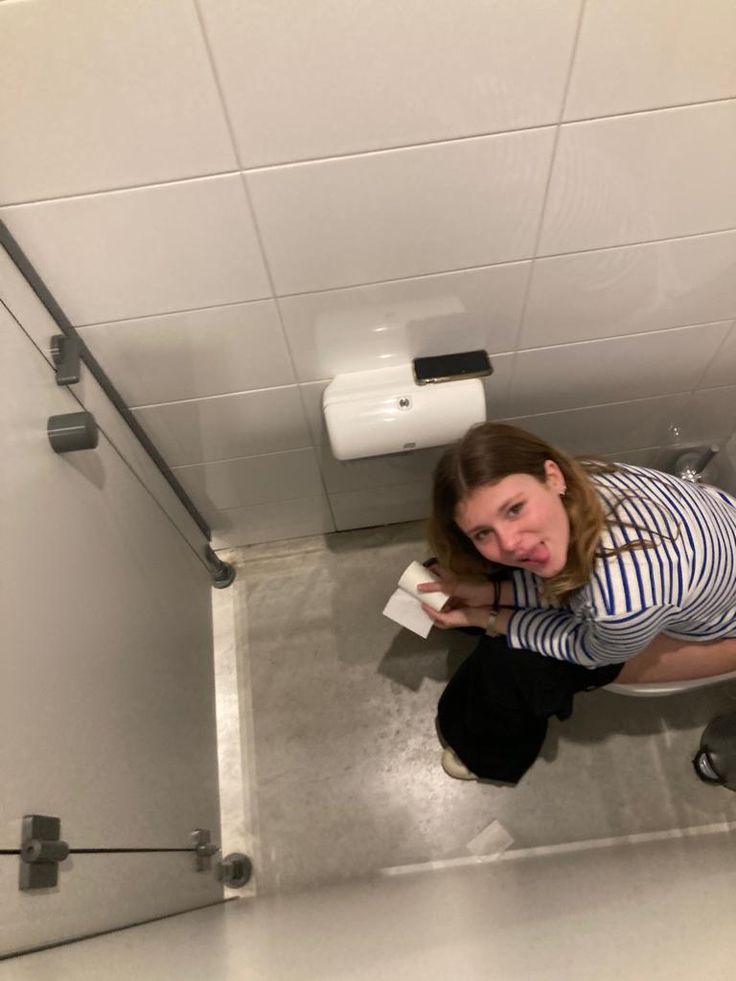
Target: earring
563,491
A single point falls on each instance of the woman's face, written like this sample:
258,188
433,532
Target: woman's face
519,521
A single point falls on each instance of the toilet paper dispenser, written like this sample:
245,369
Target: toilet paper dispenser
383,411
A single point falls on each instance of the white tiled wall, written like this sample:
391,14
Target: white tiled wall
236,200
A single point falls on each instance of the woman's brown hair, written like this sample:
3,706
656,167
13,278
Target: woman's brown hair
486,454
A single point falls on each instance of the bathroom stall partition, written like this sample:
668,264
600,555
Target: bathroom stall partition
107,707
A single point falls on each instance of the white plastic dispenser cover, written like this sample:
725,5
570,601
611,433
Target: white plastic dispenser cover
372,413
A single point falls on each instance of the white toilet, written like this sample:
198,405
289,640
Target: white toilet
660,688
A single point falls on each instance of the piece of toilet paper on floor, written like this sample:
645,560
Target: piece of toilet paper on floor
492,840
404,606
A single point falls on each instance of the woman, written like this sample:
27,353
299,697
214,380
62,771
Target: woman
614,572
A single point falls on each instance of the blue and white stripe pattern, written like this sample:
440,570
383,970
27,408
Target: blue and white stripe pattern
683,586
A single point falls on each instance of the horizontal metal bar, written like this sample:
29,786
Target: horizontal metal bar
106,851
121,851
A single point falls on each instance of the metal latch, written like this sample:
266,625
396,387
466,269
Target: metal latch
65,355
41,850
204,849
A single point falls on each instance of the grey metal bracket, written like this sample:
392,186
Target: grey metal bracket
65,355
234,870
223,574
204,849
41,850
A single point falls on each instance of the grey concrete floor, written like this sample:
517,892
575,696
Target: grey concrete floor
337,708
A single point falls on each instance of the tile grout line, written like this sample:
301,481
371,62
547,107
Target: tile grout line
265,259
400,148
536,415
406,279
540,224
496,354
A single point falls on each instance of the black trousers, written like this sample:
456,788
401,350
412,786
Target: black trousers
495,708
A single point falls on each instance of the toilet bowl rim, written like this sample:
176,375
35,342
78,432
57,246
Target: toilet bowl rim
654,689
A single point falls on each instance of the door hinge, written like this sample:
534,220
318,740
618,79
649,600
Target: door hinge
234,870
41,850
204,849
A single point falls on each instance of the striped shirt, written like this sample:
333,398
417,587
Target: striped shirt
684,586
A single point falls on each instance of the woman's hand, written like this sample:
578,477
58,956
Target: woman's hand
459,616
462,592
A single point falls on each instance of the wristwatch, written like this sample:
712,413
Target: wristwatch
491,625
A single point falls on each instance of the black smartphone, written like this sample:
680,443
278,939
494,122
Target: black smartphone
451,367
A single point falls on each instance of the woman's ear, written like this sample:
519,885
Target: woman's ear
554,477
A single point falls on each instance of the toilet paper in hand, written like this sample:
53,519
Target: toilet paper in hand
404,606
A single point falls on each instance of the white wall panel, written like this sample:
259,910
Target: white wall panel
146,251
227,426
342,476
398,214
593,372
252,480
631,289
364,508
708,414
632,55
375,326
194,353
325,77
610,428
403,212
102,94
722,370
637,178
272,522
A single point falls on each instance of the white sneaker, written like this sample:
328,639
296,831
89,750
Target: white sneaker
454,766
